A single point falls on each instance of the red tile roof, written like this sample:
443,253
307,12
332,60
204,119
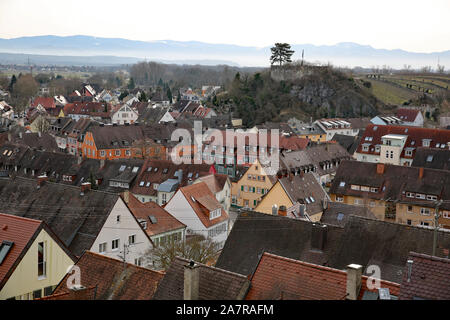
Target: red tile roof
202,201
415,135
21,231
88,108
215,182
407,115
113,280
47,103
278,277
430,278
165,221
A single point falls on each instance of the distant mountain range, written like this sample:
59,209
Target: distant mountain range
88,50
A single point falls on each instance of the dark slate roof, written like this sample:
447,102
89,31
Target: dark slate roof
350,143
214,283
429,278
75,219
362,241
338,213
113,279
386,244
432,158
254,233
114,137
44,142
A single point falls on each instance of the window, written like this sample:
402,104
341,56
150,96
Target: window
37,294
117,153
102,153
387,154
410,209
373,189
118,218
446,214
392,154
426,142
358,201
410,195
41,260
342,184
132,239
48,291
355,187
128,152
425,211
102,247
364,188
138,261
115,244
420,196
423,223
408,152
372,203
4,249
408,222
430,197
339,199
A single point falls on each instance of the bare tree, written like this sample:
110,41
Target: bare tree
195,248
440,69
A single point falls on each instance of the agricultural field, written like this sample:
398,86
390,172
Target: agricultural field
399,88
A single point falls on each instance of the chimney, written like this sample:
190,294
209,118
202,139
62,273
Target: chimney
191,281
325,203
126,196
380,168
420,173
39,134
78,292
409,264
274,210
102,163
20,135
302,210
354,274
41,180
85,187
318,236
282,211
9,136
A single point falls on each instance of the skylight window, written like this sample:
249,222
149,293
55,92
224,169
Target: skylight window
342,184
5,247
312,199
340,216
148,184
122,168
189,174
141,183
5,152
307,201
165,170
135,169
156,169
430,158
149,169
152,219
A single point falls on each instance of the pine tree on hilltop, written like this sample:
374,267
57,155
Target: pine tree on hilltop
281,53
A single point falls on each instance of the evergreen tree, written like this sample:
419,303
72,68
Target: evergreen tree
12,83
169,94
281,53
143,97
131,84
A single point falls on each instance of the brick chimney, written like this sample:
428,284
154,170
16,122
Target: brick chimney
41,180
380,168
85,187
354,280
191,281
420,173
282,211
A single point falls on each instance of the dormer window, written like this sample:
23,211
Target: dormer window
215,213
426,142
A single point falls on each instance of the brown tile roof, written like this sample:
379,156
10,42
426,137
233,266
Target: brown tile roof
215,182
166,169
114,137
415,135
164,221
214,283
430,278
407,115
47,103
299,188
282,278
88,108
114,279
84,294
202,201
432,158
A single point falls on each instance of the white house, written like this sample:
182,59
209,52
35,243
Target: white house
410,117
197,207
124,114
336,126
122,236
220,185
167,117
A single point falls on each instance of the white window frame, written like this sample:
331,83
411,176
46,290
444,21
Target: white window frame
112,244
133,237
339,199
423,210
103,246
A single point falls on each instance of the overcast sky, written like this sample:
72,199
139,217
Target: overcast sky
413,25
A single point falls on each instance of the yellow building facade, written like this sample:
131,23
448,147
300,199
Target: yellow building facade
24,282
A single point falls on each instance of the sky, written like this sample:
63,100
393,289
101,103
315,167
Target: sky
412,25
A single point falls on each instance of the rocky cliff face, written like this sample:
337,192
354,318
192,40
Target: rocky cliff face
332,92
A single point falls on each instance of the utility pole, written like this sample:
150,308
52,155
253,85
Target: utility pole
436,225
